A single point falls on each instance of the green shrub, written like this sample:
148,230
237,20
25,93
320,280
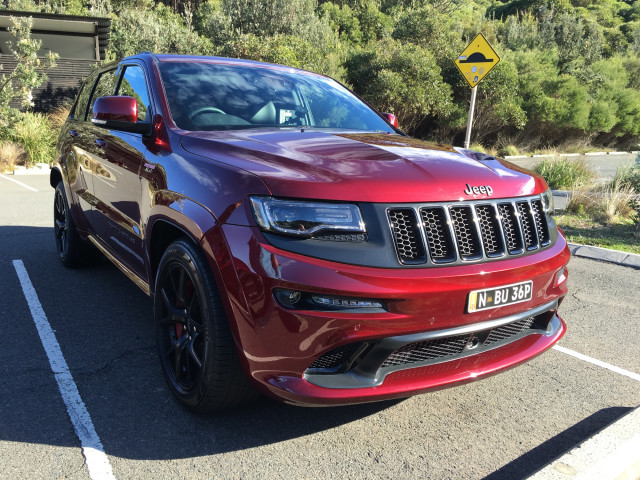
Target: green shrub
562,172
402,79
157,30
508,150
37,136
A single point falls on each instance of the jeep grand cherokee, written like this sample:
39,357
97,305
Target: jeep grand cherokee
296,242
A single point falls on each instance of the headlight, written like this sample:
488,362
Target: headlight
304,219
547,202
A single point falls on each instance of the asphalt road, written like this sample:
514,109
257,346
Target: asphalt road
504,427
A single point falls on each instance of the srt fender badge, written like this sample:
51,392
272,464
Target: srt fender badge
484,189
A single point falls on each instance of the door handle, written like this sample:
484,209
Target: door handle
101,143
73,133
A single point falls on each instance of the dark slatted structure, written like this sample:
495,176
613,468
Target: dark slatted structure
62,86
80,42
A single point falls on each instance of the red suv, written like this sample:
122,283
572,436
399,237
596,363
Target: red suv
296,242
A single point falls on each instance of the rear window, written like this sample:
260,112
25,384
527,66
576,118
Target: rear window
206,96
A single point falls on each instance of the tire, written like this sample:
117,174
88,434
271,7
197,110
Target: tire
196,349
72,250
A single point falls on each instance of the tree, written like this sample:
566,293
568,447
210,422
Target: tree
403,79
29,72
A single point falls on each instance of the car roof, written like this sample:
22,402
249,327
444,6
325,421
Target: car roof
163,57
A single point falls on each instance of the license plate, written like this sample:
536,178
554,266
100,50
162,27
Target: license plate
499,296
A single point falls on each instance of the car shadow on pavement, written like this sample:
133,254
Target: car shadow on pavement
538,457
104,325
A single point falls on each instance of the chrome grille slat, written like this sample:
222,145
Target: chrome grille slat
468,232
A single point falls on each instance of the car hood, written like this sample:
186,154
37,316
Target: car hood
362,166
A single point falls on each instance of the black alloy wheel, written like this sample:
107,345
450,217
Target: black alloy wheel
60,223
195,345
72,250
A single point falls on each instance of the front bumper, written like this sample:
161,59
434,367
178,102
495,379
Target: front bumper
281,347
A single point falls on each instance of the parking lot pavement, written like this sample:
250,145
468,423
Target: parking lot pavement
504,427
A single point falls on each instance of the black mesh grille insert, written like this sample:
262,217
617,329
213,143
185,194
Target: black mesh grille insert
421,351
507,331
466,233
405,231
490,230
528,226
541,224
511,228
438,235
440,349
336,357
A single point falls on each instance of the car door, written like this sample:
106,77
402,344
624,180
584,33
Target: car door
76,160
117,185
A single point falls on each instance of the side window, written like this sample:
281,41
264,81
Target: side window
133,85
80,109
106,86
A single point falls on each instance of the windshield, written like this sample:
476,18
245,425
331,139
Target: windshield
208,96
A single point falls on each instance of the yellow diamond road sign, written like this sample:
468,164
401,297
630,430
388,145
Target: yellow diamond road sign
477,60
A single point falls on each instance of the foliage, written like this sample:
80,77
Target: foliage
628,176
11,154
401,79
603,203
29,71
157,30
570,69
619,235
508,150
36,135
563,172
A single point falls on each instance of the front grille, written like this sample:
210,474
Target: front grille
335,358
423,351
439,349
507,331
473,231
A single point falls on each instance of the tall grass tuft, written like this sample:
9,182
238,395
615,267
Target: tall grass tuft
628,175
11,154
35,133
565,173
59,115
603,203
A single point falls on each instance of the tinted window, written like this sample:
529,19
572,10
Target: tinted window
80,109
205,96
106,86
133,85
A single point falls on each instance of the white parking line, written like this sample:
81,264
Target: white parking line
92,449
599,363
19,183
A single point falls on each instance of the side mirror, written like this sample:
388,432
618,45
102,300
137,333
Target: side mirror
391,119
118,113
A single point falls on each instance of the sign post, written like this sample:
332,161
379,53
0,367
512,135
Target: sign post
472,106
474,63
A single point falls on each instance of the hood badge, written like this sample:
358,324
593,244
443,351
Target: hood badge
482,189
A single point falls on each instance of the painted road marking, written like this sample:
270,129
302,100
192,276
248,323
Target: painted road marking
19,183
92,449
599,363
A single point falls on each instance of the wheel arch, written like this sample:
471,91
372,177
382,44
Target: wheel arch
166,227
166,223
55,177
